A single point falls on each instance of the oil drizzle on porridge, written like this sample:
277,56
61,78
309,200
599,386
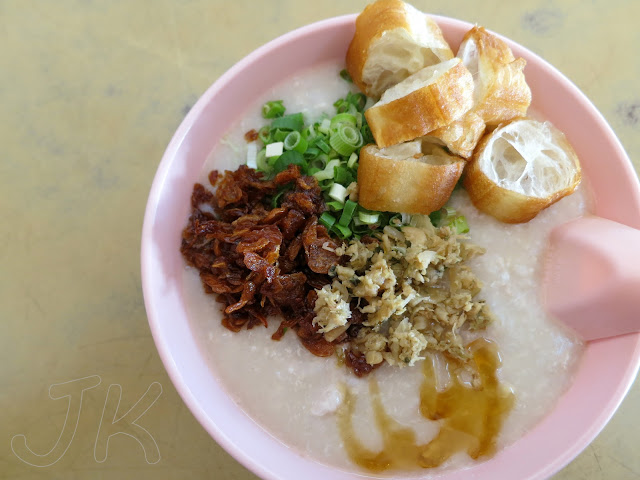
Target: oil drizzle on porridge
471,417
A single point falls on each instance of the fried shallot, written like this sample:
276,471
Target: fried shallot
259,258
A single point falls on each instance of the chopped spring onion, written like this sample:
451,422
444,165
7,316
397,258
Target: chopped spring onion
358,100
278,135
328,172
264,134
342,232
333,154
274,149
276,200
324,126
322,145
319,161
352,160
343,118
338,192
309,132
359,120
449,211
271,161
290,157
395,219
323,159
295,121
295,141
328,150
252,154
335,205
448,216
273,109
347,213
261,161
435,217
312,153
345,140
327,220
344,175
368,218
460,224
367,136
345,75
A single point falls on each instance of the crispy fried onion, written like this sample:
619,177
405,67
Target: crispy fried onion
259,260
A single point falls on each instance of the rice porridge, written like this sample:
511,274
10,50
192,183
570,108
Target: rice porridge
295,395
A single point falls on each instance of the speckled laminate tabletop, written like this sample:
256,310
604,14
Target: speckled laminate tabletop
90,94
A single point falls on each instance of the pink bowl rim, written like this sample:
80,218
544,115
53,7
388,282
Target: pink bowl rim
560,460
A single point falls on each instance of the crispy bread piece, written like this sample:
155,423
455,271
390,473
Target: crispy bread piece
501,92
412,177
521,168
392,41
461,136
429,99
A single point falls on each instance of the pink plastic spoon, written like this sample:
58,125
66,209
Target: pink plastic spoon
592,277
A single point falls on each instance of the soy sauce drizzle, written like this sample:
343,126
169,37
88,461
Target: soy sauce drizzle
471,418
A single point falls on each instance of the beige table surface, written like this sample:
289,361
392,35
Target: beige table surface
90,94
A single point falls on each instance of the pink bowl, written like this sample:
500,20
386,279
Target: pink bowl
607,369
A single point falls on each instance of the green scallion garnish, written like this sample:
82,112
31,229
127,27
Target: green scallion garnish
322,145
289,157
341,231
345,75
277,198
278,135
448,216
353,159
368,218
327,220
347,213
342,118
338,192
328,172
294,141
335,206
345,140
460,224
327,149
273,109
264,135
344,175
295,121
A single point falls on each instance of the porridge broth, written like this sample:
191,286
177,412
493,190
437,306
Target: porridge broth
295,395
